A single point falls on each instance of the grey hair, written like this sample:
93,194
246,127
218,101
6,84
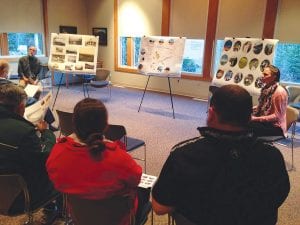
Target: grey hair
11,96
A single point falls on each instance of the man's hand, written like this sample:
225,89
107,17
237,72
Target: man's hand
41,126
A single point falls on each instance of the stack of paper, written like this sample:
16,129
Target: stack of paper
147,181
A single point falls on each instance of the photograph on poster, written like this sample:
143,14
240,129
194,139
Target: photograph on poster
238,78
101,32
91,42
75,40
228,75
257,48
89,66
71,58
71,50
58,58
59,41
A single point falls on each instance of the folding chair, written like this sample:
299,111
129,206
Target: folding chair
11,185
110,211
101,80
65,122
118,132
292,116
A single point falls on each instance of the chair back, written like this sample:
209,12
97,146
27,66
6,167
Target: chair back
102,74
115,132
11,185
294,93
65,122
112,211
292,116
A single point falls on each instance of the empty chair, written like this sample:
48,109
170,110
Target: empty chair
111,211
294,94
292,116
11,185
65,122
101,80
118,132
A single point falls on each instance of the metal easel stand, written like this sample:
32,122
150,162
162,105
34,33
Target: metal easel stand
170,92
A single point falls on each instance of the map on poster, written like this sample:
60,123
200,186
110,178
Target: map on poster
243,61
161,56
73,53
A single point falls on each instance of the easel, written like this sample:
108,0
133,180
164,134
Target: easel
60,81
170,92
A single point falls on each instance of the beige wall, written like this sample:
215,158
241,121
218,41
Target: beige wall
21,16
100,14
189,18
287,27
240,18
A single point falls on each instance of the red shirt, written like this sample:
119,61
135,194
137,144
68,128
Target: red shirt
74,171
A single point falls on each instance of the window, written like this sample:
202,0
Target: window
123,53
130,49
193,56
287,59
218,52
17,43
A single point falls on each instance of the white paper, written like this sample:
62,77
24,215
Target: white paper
31,89
147,181
36,112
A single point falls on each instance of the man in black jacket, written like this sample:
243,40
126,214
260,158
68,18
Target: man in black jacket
225,176
28,152
4,68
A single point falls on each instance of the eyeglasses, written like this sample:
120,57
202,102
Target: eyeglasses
266,74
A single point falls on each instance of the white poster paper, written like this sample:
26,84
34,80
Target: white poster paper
242,62
161,56
73,53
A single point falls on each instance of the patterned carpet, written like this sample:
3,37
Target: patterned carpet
155,124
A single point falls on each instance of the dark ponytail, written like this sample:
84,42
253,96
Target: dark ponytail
89,122
96,145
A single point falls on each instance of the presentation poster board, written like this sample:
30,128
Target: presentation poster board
73,53
243,61
161,56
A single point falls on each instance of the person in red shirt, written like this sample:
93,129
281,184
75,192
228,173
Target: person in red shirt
86,164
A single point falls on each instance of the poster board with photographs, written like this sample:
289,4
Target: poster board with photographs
243,61
73,53
161,56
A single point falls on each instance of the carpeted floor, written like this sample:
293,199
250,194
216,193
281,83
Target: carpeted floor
155,124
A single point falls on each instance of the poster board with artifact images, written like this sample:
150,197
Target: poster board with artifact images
161,56
243,61
73,53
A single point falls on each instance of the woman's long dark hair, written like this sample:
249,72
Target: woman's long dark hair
89,122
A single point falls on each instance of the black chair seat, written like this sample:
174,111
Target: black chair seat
99,84
133,143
